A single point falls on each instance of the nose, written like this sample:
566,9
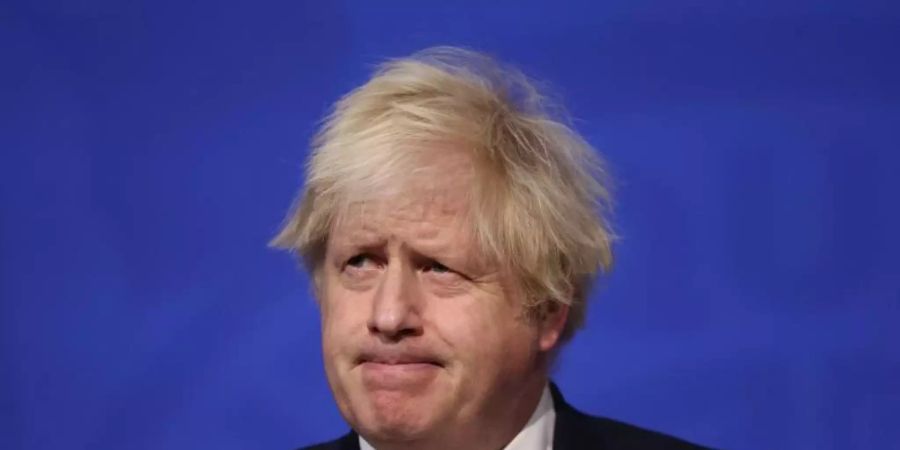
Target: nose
396,307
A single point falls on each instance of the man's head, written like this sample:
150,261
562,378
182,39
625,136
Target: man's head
452,228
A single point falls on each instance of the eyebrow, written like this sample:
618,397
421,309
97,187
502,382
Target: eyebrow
417,250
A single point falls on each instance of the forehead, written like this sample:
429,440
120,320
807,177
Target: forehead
412,220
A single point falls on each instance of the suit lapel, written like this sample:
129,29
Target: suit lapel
349,441
571,431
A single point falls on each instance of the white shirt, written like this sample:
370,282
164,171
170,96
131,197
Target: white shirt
536,435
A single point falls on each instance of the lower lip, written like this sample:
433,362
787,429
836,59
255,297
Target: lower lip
397,376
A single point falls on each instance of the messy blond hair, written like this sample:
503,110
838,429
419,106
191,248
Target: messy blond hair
539,194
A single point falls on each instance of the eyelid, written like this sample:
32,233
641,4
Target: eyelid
448,270
363,255
429,263
426,265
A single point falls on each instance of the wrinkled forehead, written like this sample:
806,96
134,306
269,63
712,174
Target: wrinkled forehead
415,223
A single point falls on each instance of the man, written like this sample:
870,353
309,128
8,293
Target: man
452,228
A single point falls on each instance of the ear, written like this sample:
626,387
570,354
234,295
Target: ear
552,325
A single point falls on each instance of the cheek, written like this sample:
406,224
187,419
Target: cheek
488,339
341,323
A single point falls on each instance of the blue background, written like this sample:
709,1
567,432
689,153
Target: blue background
150,150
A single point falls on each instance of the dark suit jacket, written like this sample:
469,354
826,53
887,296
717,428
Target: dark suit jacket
574,430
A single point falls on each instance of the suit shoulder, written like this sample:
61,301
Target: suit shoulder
575,430
330,445
621,436
349,441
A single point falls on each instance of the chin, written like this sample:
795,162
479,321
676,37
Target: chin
396,416
396,424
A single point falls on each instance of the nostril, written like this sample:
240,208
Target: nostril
394,334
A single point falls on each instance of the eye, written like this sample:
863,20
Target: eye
358,261
436,267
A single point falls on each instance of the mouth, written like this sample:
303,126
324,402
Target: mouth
399,372
398,361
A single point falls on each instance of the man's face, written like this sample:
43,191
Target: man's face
423,340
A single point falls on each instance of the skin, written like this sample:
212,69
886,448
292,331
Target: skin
425,343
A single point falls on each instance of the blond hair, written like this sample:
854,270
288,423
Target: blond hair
539,194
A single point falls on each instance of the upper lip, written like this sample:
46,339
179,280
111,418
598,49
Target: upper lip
398,357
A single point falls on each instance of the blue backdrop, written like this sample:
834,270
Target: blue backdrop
150,150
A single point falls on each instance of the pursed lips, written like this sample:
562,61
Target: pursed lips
398,371
397,359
